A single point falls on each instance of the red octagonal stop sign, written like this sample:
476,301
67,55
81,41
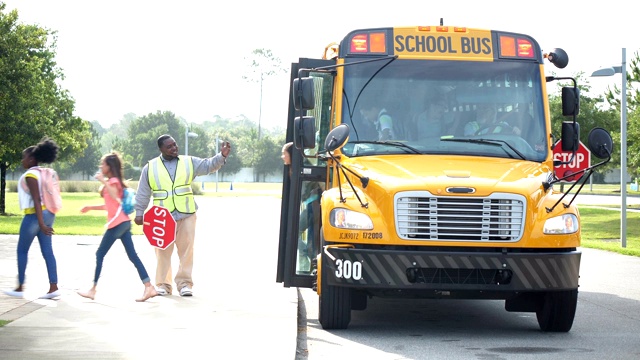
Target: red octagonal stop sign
159,227
579,162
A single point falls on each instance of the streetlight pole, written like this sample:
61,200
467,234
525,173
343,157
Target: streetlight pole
623,149
217,142
623,139
186,141
188,134
260,113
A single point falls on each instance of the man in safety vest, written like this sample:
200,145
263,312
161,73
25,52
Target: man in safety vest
167,179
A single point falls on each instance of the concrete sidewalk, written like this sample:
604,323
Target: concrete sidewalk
238,311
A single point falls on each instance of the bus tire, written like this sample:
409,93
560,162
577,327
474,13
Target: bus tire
556,310
334,303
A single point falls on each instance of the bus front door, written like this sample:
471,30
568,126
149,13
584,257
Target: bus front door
302,186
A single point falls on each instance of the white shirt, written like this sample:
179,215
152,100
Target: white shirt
24,195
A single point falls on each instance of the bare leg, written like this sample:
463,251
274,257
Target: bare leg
149,292
91,294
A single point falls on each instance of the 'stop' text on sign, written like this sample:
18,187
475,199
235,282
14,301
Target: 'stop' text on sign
572,164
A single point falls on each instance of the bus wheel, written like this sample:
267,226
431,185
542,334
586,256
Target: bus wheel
334,303
556,311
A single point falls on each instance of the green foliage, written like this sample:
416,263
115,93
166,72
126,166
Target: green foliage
143,134
32,104
88,162
613,99
267,156
69,221
201,146
72,186
591,116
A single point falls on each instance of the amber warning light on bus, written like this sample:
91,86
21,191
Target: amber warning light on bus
375,42
512,47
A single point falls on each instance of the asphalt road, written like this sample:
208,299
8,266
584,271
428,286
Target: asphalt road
606,326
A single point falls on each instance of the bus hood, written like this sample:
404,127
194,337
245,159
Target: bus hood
436,173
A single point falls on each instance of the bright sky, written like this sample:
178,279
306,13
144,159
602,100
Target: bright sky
140,56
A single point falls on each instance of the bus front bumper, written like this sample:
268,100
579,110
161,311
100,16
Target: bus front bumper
449,270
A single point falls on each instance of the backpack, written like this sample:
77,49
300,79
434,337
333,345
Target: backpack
128,201
127,204
50,189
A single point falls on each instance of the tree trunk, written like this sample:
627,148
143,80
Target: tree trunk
3,186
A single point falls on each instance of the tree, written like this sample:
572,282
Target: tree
268,158
141,144
591,116
612,97
116,131
32,104
201,146
88,163
234,162
143,132
262,63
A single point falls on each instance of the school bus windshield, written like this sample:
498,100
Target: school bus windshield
439,107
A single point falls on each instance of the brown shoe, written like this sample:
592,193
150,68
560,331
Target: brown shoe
149,292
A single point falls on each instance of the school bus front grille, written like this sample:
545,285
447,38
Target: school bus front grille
421,216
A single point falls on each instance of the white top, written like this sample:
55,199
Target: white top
24,195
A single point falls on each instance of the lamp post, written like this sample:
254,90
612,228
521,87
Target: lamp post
217,142
188,134
610,71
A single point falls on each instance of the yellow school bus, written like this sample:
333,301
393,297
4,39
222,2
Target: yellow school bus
422,167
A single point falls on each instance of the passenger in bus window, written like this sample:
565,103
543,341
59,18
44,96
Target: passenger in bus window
428,123
382,121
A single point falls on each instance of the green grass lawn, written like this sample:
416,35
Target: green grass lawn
69,221
601,230
600,227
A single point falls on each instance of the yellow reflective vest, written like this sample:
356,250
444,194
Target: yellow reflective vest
173,195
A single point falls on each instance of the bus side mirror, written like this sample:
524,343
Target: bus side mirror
337,137
570,136
558,57
570,101
600,143
304,132
303,95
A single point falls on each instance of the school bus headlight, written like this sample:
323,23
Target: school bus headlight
563,224
349,219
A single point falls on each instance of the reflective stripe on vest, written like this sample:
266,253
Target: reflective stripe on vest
173,195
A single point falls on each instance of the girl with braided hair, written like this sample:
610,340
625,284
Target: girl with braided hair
37,220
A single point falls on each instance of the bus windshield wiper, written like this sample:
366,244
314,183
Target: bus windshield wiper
400,144
391,143
492,142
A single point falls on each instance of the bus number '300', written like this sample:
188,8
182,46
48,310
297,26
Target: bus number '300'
348,269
